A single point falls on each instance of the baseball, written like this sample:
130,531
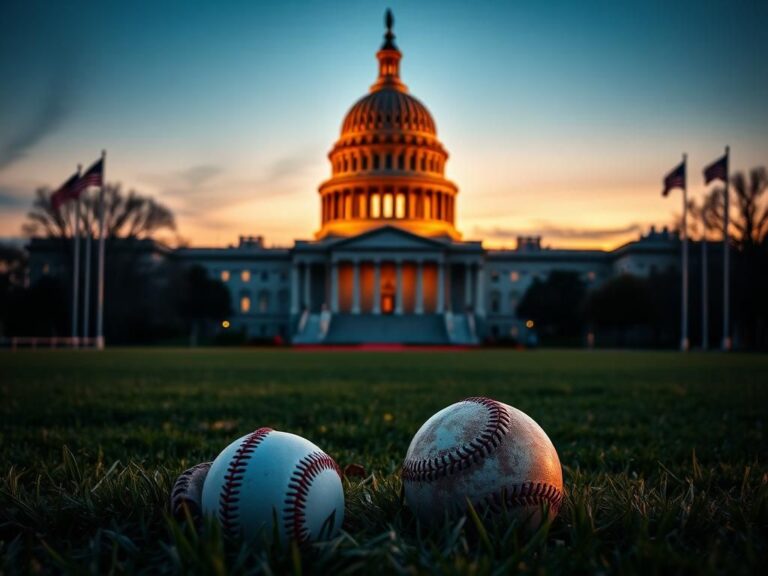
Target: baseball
270,476
485,451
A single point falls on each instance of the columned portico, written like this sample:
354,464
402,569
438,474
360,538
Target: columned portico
419,308
377,287
399,292
356,288
334,287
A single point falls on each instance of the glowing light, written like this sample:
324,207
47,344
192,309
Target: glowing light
245,275
245,304
529,324
514,276
225,275
225,324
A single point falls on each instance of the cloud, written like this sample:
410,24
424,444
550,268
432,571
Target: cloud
13,198
53,110
551,231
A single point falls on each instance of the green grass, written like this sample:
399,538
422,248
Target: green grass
664,457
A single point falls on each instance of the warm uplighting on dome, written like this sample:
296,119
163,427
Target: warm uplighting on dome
387,167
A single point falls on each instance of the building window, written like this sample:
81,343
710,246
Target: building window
591,276
495,302
245,275
245,304
46,268
494,275
225,275
283,276
264,276
514,276
263,301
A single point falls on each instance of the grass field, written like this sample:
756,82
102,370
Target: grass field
664,457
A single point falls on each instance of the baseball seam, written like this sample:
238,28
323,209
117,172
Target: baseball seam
229,497
295,510
429,469
525,494
180,493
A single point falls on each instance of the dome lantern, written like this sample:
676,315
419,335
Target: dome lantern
389,60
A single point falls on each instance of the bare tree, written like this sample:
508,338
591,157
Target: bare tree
128,215
748,223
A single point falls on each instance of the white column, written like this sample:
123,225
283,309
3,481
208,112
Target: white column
468,285
334,287
307,285
377,287
295,288
479,293
419,288
399,293
440,288
356,288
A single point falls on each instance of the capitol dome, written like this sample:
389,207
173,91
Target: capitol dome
387,167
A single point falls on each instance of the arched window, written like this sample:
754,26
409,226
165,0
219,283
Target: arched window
346,164
354,163
413,162
375,205
388,165
364,163
376,161
423,163
401,161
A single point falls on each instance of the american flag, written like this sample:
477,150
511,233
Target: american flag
675,179
718,170
94,176
66,191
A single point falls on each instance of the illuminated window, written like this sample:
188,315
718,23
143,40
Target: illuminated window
245,275
400,206
591,276
375,206
245,304
387,206
225,275
514,276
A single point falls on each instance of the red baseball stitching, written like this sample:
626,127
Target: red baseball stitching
463,457
180,493
525,494
294,513
229,510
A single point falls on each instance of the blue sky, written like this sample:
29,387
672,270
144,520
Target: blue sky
560,117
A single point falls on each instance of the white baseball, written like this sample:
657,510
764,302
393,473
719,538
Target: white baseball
485,451
270,476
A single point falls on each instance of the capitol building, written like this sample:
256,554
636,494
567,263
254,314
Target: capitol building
387,264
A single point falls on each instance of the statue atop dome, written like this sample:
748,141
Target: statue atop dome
389,37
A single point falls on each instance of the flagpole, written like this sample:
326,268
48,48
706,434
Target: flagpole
704,295
100,289
726,258
684,315
87,287
76,266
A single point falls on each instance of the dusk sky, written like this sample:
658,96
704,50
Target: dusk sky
561,118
